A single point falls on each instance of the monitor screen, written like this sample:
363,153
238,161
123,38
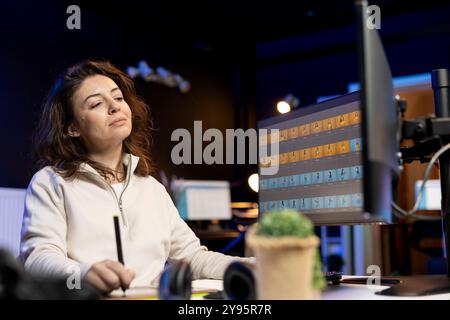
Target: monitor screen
202,199
320,162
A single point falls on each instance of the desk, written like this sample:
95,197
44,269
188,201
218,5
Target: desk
339,292
363,292
199,288
222,240
216,234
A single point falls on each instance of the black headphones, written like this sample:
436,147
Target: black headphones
15,283
239,282
175,282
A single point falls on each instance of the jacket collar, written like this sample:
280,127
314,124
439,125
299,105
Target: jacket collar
126,159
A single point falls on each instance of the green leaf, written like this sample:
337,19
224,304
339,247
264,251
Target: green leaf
318,278
285,223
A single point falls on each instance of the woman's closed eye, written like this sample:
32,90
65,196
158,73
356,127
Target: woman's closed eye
95,104
120,99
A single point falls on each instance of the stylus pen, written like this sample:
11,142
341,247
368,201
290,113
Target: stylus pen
118,245
363,280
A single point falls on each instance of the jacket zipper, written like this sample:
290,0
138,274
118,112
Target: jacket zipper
119,203
119,200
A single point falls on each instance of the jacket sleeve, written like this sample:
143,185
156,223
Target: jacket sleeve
186,246
43,247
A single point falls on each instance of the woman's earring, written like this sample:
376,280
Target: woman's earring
71,132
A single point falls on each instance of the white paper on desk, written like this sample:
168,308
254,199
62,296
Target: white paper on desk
152,292
138,292
207,285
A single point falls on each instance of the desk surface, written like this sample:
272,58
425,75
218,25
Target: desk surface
199,288
364,292
339,292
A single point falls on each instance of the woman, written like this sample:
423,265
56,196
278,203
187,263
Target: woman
92,149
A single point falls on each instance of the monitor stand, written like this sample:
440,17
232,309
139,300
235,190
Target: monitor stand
426,285
419,286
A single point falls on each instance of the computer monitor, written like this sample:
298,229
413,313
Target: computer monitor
380,120
337,158
320,163
202,199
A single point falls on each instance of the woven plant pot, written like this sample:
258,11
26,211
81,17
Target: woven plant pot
284,266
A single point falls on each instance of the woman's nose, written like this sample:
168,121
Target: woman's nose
114,107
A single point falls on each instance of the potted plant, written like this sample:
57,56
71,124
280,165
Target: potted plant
288,263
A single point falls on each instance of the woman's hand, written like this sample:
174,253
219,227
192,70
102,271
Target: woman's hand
108,275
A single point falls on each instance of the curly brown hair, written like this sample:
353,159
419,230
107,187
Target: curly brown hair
55,147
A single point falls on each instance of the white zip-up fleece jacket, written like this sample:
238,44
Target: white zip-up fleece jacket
68,226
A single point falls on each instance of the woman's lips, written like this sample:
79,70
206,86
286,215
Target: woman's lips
118,123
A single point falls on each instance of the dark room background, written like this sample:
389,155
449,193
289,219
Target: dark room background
240,58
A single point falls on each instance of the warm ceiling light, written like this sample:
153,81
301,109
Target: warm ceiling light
288,103
253,182
283,107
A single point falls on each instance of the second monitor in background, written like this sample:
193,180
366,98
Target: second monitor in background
203,199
